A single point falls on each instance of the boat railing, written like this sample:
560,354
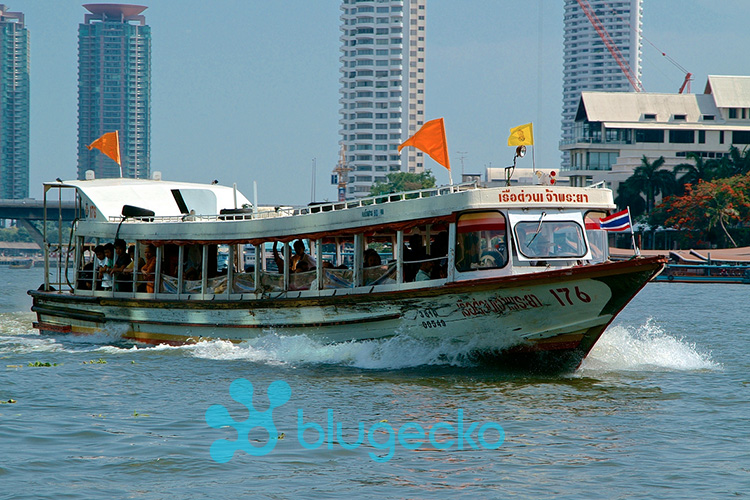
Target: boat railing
307,210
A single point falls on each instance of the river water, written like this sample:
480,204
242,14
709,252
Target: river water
659,409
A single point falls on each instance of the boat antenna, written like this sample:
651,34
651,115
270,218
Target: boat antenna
520,152
312,189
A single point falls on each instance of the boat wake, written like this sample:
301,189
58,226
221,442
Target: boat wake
646,348
396,352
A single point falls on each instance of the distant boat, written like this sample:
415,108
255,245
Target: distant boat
705,273
21,264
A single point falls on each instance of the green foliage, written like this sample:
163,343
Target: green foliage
39,364
708,212
100,361
403,181
651,180
14,234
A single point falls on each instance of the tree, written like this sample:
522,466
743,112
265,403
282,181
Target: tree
699,170
706,206
651,180
403,181
739,161
627,196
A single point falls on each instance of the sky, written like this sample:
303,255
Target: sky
247,90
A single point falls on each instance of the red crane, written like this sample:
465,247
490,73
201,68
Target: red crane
610,44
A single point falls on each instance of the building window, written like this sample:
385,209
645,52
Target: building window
649,135
649,116
733,113
721,137
681,136
701,136
741,137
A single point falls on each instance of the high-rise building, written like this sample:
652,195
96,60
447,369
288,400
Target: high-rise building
382,88
114,88
14,105
588,63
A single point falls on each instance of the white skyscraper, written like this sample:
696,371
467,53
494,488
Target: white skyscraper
382,88
588,63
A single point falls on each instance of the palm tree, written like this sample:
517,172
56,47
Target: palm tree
739,160
627,196
699,170
650,179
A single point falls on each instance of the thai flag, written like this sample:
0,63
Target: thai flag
616,222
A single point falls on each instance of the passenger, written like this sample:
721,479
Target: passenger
104,264
123,259
371,258
148,271
294,262
193,264
414,253
440,249
302,259
467,257
128,271
425,271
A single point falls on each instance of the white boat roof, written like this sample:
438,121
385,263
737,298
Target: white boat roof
109,196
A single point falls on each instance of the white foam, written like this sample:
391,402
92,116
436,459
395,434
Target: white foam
646,348
396,352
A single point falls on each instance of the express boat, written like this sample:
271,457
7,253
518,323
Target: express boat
509,272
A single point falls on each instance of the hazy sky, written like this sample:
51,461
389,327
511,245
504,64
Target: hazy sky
247,90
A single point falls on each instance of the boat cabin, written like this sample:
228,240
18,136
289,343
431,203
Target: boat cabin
200,242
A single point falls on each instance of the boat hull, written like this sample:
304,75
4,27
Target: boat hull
561,313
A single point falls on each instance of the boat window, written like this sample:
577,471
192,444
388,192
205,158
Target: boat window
481,241
597,237
378,264
425,252
542,239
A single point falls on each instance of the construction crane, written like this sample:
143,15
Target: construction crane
610,44
617,55
341,175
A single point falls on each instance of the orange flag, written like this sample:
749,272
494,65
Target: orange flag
109,144
431,139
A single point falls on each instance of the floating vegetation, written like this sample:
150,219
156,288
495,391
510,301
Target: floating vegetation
136,414
10,401
100,361
39,363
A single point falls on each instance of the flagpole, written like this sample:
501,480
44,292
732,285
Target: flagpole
632,235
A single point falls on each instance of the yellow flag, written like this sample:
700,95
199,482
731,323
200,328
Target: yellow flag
522,135
431,139
109,144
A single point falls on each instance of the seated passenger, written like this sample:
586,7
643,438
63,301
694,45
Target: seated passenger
414,252
148,271
298,257
425,271
371,258
121,282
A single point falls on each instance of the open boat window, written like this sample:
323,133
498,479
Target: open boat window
540,239
481,241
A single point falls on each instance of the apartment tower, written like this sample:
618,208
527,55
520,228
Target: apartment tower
382,88
14,105
114,88
588,63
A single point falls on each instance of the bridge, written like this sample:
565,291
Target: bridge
30,209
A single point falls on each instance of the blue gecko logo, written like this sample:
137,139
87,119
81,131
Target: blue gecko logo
217,416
